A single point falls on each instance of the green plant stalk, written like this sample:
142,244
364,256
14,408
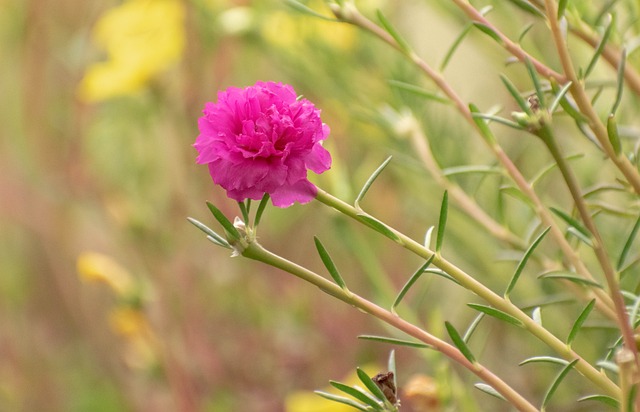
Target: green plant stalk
419,142
498,302
601,254
350,14
256,252
584,103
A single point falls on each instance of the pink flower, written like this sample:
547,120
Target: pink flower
262,139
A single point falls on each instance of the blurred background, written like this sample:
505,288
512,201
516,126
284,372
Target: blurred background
111,301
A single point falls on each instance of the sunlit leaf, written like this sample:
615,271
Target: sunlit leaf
489,390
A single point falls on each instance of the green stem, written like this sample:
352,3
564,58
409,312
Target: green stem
601,254
469,283
349,14
256,252
584,102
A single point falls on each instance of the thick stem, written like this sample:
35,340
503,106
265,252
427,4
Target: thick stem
470,283
257,252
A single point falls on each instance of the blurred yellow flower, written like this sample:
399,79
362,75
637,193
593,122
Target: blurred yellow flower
141,38
308,401
287,30
92,266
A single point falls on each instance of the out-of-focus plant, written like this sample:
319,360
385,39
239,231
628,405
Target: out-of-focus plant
127,318
141,39
580,234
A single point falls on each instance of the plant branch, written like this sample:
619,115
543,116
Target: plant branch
498,302
256,252
584,102
349,14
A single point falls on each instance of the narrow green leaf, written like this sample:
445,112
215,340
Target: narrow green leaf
552,166
488,31
571,222
342,400
515,93
580,236
528,7
226,223
455,45
524,32
567,105
517,194
394,341
213,236
607,400
472,169
570,276
536,82
483,128
443,274
627,245
472,327
378,226
620,85
296,5
356,393
419,91
562,6
386,24
410,283
600,47
523,262
442,221
554,386
370,181
488,389
580,321
559,97
634,310
459,343
244,209
370,384
261,207
496,313
328,263
544,359
500,120
612,132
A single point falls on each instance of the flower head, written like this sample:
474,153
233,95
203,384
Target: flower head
263,139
